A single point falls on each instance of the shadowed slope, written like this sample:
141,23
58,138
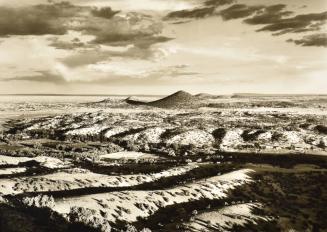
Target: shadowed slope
179,99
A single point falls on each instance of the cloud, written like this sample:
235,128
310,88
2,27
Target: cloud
84,57
140,5
275,18
318,40
138,39
110,73
36,20
68,45
297,24
105,12
239,11
218,2
132,28
194,13
138,29
104,24
42,76
105,53
24,56
269,14
208,9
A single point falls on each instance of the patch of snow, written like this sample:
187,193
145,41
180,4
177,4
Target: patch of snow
128,155
265,137
44,161
231,139
81,178
10,160
50,162
8,171
224,219
115,131
151,135
129,205
196,137
292,137
91,130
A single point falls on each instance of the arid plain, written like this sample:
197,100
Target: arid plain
241,162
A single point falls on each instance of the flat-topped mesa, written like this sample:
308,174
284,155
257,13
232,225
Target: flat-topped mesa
178,99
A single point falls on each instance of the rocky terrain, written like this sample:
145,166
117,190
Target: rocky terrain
178,163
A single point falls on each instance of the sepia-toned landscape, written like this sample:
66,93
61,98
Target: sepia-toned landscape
177,163
163,116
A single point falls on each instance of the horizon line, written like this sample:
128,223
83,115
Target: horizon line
108,95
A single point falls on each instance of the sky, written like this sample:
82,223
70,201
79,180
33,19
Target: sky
162,46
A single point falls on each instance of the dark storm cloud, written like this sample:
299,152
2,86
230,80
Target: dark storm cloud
239,11
105,12
296,24
218,2
194,13
35,20
57,18
208,9
68,45
276,19
13,22
318,40
138,29
269,14
146,41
